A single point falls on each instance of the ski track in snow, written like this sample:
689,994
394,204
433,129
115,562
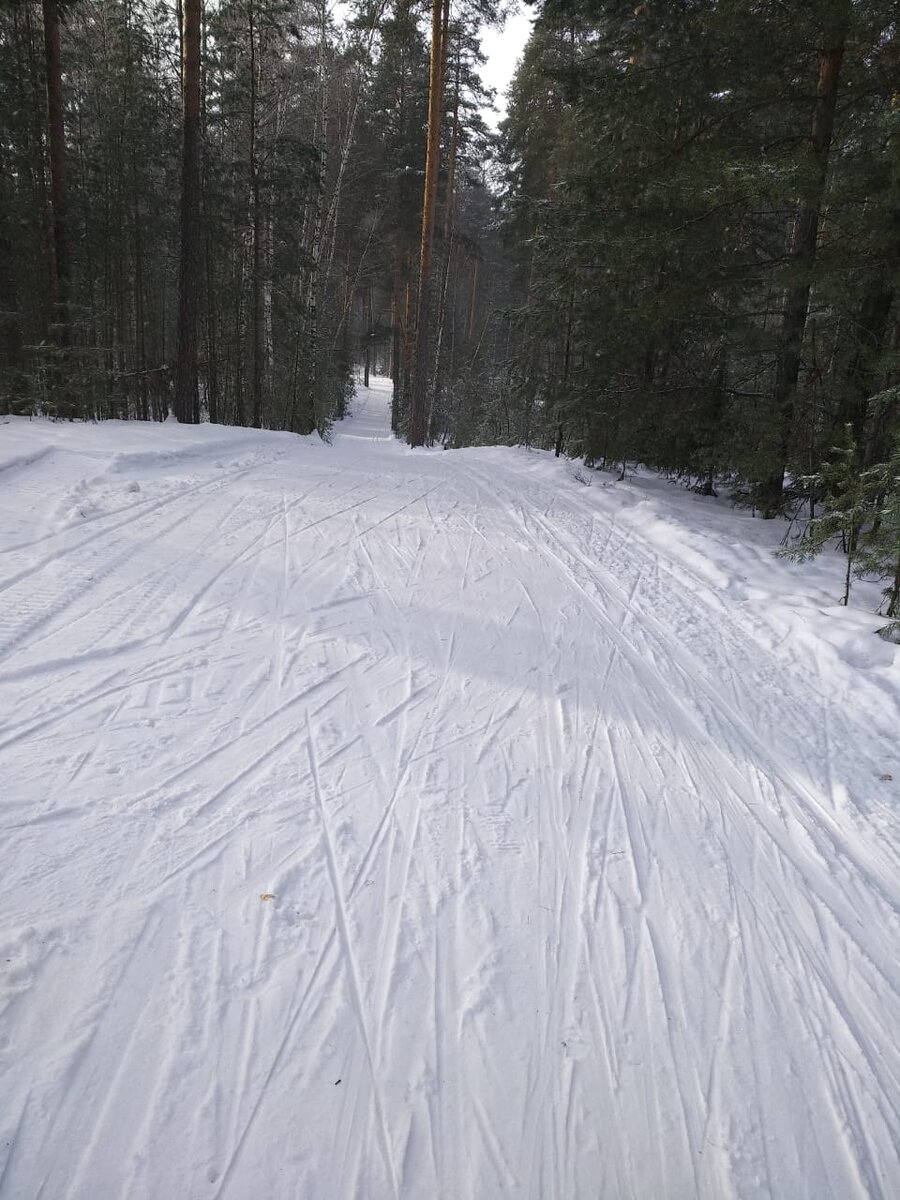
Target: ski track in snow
391,824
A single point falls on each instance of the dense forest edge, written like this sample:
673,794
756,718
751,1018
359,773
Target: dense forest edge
681,249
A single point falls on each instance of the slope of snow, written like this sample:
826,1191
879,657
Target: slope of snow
381,824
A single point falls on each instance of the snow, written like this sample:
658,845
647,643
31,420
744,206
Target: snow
383,823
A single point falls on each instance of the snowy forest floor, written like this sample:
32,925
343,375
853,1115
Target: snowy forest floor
380,823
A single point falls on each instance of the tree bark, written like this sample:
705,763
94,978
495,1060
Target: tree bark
10,329
447,235
417,414
257,303
370,333
399,330
871,331
311,401
187,390
397,334
802,254
473,296
62,275
212,350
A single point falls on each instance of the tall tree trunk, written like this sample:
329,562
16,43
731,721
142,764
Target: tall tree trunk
257,302
802,254
187,391
238,336
33,86
871,331
331,219
447,236
473,296
10,328
439,19
140,335
406,380
212,350
310,401
397,334
58,202
369,333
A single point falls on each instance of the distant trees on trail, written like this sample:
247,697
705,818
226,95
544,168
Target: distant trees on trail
214,210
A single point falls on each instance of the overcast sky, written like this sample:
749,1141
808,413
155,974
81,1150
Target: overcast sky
504,49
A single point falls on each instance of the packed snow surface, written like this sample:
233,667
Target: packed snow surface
380,823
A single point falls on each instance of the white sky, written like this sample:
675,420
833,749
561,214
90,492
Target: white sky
504,49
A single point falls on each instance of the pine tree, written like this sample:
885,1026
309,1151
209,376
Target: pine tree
880,556
187,397
705,211
417,417
63,401
849,505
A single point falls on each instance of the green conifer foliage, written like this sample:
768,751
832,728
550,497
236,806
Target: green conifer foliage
849,501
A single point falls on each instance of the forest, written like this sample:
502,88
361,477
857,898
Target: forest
449,600
682,248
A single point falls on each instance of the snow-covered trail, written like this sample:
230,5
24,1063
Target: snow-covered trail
391,824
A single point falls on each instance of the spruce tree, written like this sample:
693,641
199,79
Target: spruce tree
849,501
